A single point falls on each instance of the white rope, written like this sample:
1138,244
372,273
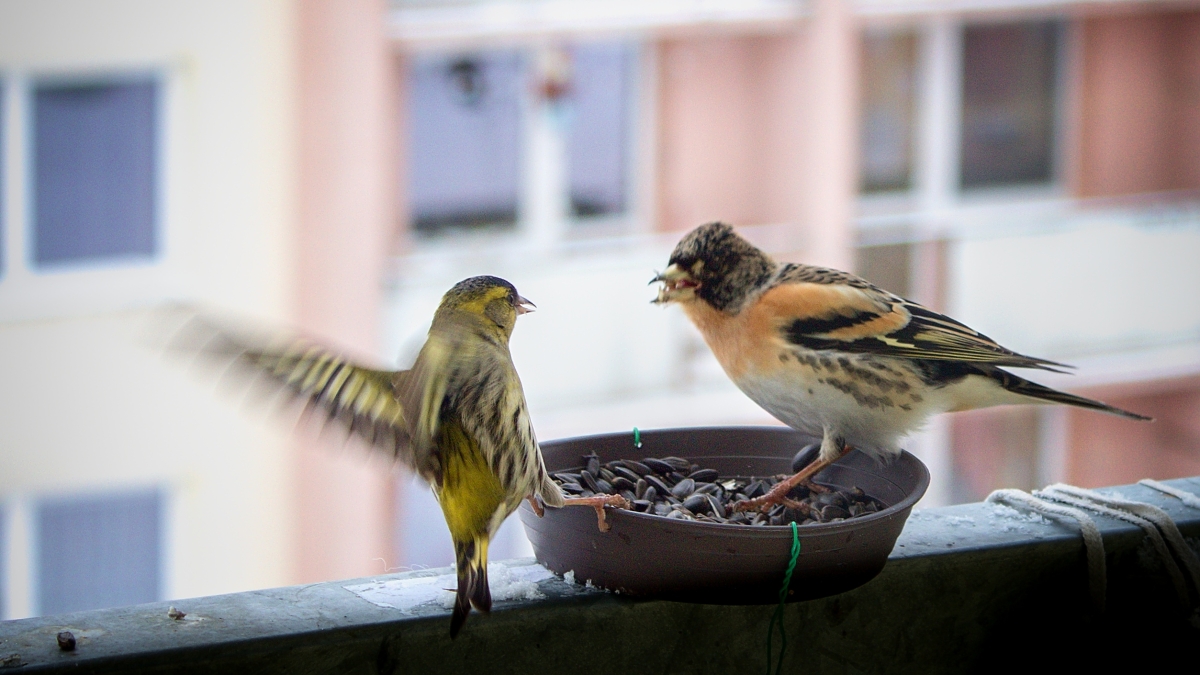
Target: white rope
1092,541
1184,496
1154,522
1067,501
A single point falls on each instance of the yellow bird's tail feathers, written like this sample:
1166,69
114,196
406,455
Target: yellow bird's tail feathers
471,560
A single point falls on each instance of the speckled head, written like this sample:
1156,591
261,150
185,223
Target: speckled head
487,296
715,264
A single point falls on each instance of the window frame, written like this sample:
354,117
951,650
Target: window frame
29,290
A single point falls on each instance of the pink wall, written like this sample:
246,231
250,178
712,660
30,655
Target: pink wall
1108,450
347,159
1186,92
711,132
762,130
994,448
1139,113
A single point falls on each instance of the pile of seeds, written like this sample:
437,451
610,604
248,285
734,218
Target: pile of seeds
674,487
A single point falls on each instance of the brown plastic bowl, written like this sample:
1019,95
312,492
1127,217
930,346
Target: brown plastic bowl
652,556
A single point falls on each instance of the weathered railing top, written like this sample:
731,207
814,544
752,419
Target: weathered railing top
969,587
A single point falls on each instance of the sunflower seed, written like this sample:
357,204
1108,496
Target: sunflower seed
658,484
626,474
715,505
623,483
755,489
697,504
833,511
805,457
636,467
684,488
658,466
678,463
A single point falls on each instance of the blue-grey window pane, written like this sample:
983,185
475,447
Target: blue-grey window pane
598,144
465,139
94,171
98,551
1008,106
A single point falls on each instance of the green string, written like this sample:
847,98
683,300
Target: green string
637,438
778,614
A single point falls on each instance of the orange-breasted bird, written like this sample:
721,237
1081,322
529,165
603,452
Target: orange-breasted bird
834,356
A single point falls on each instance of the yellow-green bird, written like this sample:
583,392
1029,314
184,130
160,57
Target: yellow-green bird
457,418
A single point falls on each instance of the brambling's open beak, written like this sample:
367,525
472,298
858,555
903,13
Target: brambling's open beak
524,306
677,284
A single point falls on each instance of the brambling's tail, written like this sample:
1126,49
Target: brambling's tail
1023,387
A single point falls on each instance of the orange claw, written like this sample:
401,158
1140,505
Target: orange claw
598,502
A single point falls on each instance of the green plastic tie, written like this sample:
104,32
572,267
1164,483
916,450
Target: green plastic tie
637,438
777,616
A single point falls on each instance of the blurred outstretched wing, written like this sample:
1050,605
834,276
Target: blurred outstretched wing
366,401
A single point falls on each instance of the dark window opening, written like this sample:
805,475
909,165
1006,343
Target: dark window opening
1008,104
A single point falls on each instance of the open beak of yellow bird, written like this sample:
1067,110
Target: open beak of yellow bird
524,306
677,285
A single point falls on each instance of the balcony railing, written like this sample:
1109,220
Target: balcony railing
968,588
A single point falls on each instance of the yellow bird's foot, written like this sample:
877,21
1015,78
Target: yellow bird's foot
537,506
598,502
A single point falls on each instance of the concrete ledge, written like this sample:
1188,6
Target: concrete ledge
970,588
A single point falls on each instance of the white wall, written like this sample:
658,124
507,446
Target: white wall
1090,285
86,404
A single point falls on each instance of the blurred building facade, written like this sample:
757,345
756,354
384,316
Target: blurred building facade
1030,167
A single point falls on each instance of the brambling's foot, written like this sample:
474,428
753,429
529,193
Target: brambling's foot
779,493
598,502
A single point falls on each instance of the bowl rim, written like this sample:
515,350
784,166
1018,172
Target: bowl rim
909,500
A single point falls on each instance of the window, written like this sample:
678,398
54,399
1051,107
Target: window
96,552
889,64
1008,104
598,140
94,169
465,145
485,125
